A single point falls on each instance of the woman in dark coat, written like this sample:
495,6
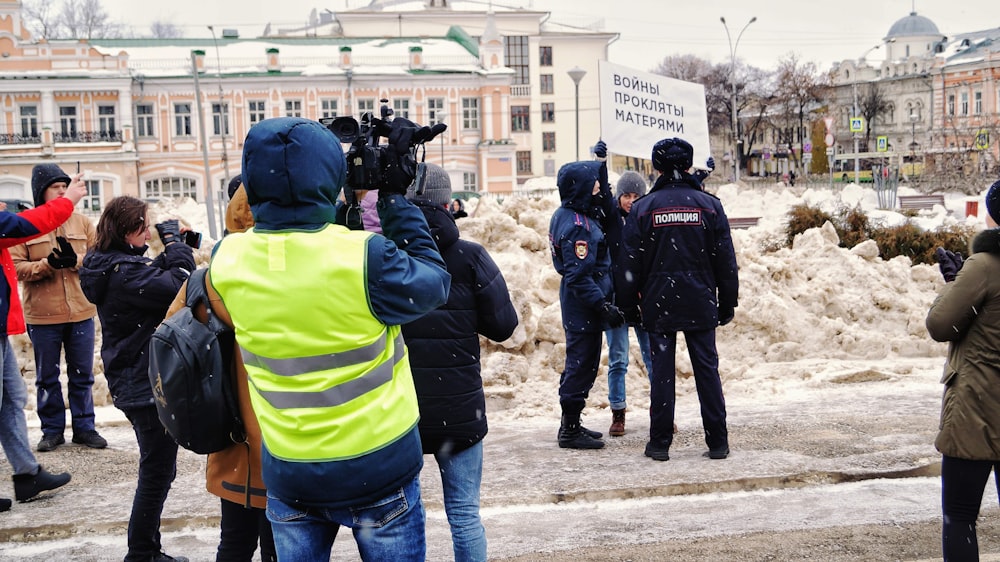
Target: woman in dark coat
444,356
132,294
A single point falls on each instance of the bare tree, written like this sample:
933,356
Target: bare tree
798,87
165,30
689,68
41,18
872,103
87,19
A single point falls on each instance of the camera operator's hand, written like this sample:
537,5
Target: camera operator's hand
400,164
63,256
169,231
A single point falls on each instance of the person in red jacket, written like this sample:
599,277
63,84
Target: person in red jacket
29,477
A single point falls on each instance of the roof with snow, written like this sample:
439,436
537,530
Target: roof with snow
912,25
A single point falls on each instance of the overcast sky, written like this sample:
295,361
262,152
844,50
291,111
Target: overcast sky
820,32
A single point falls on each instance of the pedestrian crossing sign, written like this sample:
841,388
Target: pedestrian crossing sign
982,139
857,124
882,144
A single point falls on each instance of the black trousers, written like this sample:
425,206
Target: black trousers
241,527
962,485
157,468
583,357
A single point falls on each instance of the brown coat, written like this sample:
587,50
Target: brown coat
54,296
966,314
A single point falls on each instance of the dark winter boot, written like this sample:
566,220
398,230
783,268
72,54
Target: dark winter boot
27,486
571,435
617,428
4,504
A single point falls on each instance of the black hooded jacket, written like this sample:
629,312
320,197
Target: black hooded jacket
444,344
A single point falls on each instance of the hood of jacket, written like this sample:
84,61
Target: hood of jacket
444,231
94,274
987,241
293,170
576,184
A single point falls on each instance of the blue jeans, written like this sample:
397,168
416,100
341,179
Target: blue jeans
157,468
461,476
387,530
78,340
13,425
618,345
962,485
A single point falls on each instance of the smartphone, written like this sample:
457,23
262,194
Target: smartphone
193,239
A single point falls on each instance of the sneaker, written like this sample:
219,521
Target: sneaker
91,439
657,452
27,486
4,505
49,443
717,453
164,557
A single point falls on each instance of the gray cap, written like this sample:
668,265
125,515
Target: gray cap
631,182
437,186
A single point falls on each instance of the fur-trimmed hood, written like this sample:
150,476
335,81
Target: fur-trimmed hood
987,241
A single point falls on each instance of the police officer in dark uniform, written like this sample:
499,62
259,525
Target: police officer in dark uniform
581,255
678,273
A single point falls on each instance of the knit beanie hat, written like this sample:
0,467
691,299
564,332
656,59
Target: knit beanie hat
631,182
993,201
235,184
44,175
437,187
672,154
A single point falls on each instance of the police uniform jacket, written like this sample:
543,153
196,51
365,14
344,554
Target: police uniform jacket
677,258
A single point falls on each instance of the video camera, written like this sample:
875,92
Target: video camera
371,165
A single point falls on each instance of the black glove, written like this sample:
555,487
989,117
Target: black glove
710,164
949,262
601,149
611,315
400,163
63,256
633,316
726,314
169,231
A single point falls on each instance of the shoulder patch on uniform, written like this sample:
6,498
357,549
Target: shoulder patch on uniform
581,249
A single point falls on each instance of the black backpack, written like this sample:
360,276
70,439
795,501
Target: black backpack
190,366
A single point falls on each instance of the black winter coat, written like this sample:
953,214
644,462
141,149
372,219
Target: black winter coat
677,259
132,294
444,344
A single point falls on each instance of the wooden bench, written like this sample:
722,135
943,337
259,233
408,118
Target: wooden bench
743,222
917,202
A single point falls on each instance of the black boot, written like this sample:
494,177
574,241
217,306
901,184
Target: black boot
4,505
572,436
27,486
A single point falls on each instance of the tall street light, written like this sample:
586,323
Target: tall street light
223,114
577,74
732,82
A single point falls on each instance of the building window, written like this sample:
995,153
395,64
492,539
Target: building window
977,103
516,57
435,111
67,123
171,188
401,108
106,121
328,108
548,142
29,121
544,56
92,202
293,108
519,118
220,119
257,110
470,113
366,105
951,104
182,119
144,119
523,162
548,112
469,182
965,103
545,82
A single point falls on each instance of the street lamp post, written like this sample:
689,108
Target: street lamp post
854,86
577,74
732,82
223,114
913,142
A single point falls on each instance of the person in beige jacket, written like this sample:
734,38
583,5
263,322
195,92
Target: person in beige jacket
966,314
59,317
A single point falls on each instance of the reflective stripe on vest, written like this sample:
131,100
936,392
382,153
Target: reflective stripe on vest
336,395
324,383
